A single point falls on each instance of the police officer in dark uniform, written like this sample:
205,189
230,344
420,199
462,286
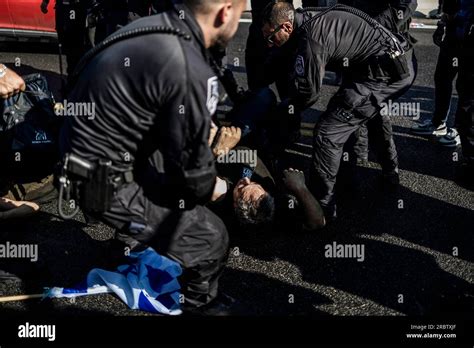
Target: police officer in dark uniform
334,39
143,164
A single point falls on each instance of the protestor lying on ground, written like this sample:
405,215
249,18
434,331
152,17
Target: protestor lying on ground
249,196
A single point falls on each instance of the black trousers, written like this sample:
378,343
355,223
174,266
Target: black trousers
445,74
377,134
465,112
357,102
71,33
379,129
196,238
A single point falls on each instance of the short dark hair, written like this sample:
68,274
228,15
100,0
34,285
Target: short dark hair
278,12
257,213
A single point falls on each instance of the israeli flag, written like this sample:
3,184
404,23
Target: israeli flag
148,283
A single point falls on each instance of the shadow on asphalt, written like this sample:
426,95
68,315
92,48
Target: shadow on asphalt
66,253
263,295
389,269
430,158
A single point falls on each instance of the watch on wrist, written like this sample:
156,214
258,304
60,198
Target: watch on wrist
3,70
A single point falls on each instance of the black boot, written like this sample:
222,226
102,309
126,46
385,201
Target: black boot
222,305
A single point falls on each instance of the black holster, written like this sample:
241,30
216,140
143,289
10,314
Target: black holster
92,184
388,67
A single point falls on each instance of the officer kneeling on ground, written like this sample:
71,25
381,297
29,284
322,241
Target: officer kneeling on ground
329,39
143,164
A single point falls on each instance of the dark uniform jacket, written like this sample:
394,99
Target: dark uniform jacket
326,43
154,96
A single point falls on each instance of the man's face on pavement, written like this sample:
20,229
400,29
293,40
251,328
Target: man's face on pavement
248,191
230,16
277,36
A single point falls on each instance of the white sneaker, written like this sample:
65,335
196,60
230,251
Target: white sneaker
451,139
427,128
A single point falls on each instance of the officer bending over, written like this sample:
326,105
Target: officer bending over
329,40
143,164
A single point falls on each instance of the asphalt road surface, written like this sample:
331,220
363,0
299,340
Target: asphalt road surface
411,266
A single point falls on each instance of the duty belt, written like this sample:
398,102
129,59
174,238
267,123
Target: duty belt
387,67
91,184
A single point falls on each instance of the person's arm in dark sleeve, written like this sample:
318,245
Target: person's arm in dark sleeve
273,63
197,158
183,128
398,14
310,66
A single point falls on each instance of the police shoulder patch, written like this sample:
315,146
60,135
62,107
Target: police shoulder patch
212,94
299,66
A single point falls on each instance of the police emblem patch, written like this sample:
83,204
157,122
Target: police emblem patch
212,94
299,66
